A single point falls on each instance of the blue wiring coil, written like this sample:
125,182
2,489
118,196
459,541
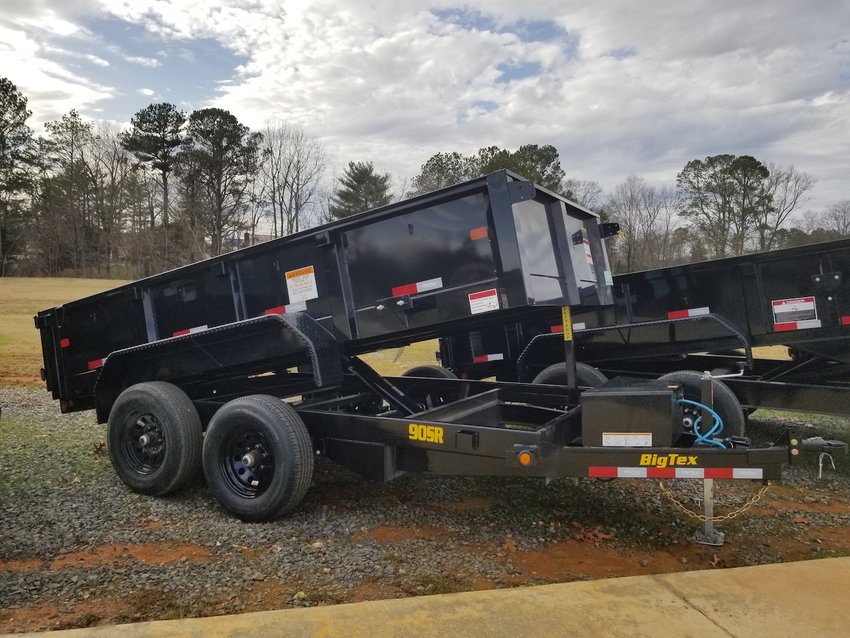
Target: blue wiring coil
716,427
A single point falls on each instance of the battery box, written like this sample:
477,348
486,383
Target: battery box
627,412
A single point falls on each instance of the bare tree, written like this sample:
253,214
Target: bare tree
108,165
647,216
292,168
783,191
583,191
837,218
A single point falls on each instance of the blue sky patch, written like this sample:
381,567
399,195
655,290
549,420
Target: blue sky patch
621,53
187,75
485,105
517,71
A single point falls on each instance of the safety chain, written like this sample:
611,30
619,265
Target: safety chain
752,500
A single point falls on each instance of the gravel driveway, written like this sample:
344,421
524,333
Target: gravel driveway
77,548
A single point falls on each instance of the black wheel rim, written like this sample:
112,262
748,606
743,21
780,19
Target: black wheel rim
143,444
246,462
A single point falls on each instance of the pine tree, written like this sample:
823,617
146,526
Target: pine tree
361,188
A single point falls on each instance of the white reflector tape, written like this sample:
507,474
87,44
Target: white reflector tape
579,326
796,325
631,472
747,473
677,472
484,358
299,306
689,312
690,472
419,286
187,331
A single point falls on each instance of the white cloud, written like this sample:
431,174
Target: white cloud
146,92
622,87
52,89
96,60
143,61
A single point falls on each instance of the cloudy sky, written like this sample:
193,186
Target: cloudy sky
619,87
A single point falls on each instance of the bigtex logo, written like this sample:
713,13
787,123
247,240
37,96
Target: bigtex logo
666,460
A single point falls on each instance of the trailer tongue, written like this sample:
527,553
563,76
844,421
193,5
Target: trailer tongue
189,367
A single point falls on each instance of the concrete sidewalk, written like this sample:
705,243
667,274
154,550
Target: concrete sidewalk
794,599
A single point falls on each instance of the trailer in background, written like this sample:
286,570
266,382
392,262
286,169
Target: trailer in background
676,322
189,368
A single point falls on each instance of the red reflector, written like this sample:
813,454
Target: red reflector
718,472
180,333
785,327
661,472
64,343
482,359
407,289
602,472
555,329
845,321
277,310
678,314
94,365
479,233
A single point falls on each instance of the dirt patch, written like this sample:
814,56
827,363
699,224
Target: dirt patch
374,591
88,613
585,560
148,553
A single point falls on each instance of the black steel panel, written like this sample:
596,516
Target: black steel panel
414,270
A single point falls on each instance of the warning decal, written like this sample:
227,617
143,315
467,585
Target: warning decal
483,301
301,284
793,310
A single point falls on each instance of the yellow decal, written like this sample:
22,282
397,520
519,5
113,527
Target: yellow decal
567,321
301,272
425,433
667,460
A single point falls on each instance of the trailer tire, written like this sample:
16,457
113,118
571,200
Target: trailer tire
170,455
276,477
556,374
725,402
430,372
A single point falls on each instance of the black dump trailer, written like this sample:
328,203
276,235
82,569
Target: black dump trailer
677,322
189,367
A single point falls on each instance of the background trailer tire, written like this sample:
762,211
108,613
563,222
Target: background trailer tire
154,438
725,402
431,399
258,457
556,374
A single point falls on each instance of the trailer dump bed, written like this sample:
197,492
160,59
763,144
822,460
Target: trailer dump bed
476,253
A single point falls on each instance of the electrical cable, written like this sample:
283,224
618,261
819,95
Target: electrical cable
716,427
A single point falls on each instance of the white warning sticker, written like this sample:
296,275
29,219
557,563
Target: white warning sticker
627,439
483,301
301,284
797,309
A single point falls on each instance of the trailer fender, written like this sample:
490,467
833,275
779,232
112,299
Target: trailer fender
245,347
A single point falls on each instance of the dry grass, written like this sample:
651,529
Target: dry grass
20,349
20,299
396,361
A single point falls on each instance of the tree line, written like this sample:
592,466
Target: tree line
171,188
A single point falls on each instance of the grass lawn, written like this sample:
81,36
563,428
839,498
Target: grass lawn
20,348
20,299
